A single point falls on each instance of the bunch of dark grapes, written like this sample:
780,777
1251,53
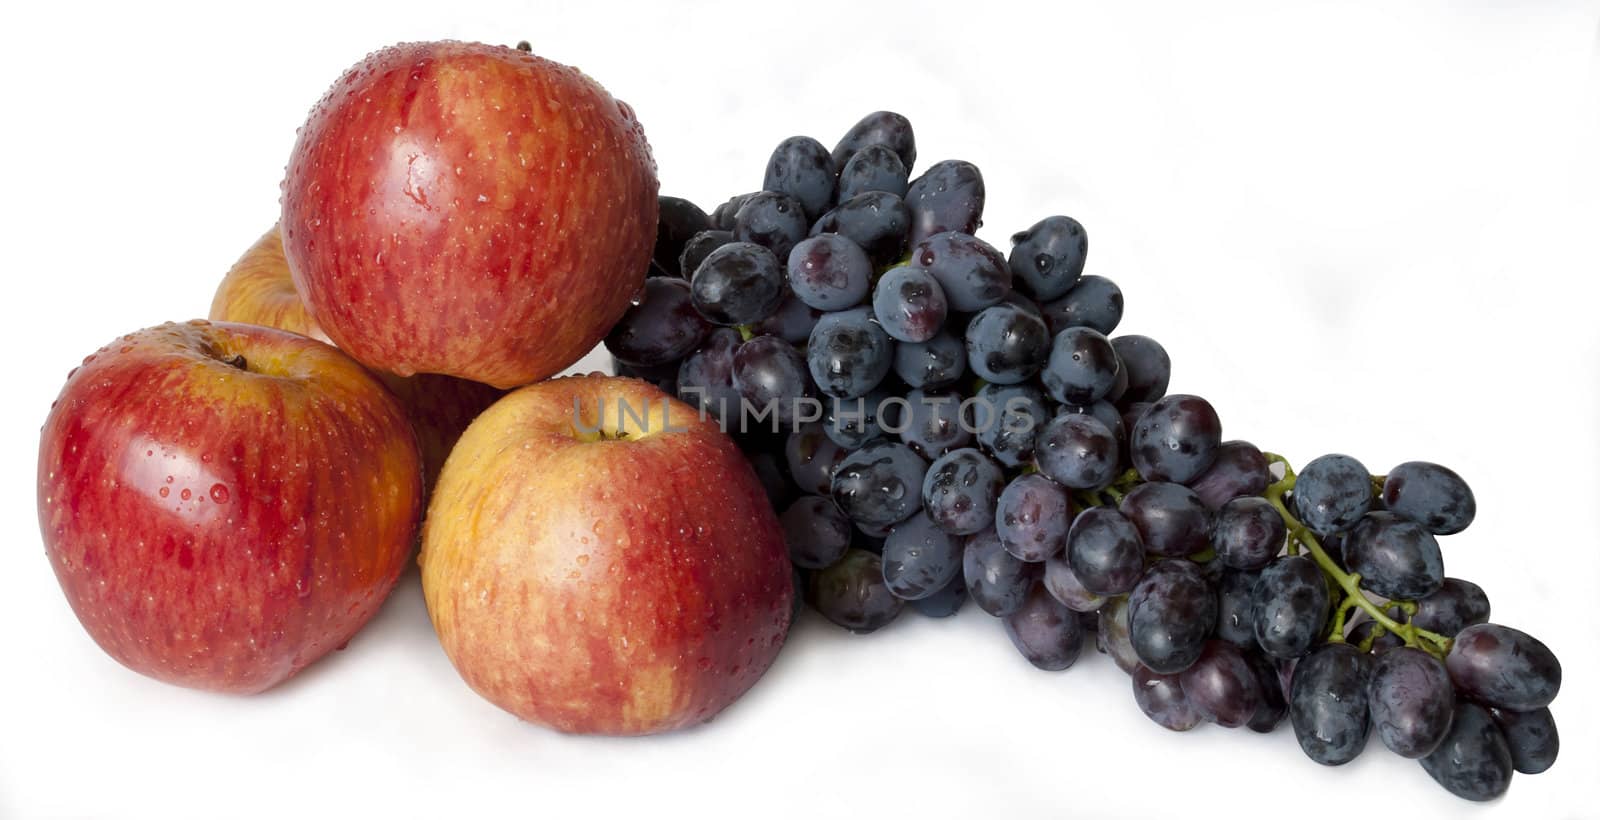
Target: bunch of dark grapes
936,420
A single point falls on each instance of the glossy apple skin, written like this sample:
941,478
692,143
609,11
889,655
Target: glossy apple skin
469,210
221,528
619,587
258,290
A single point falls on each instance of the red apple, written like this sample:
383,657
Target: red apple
604,573
258,290
470,210
224,504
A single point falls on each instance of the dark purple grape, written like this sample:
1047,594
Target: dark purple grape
1082,367
1171,613
1032,518
1047,259
1120,386
972,273
1147,365
851,593
876,220
919,558
1411,701
770,377
726,214
772,220
1131,414
770,474
679,221
1430,495
664,327
1021,302
932,423
1171,520
996,580
1105,412
738,284
698,247
879,484
803,169
1095,302
874,168
960,490
1530,736
791,322
1076,451
1503,667
878,128
852,423
1176,439
1062,583
1221,686
938,362
816,532
1113,636
1291,606
1274,706
1454,606
1396,558
812,459
829,272
1248,532
1161,699
909,304
1328,703
848,353
873,536
1006,344
1474,761
1104,552
947,197
945,602
1236,622
1008,418
1238,470
1332,493
1045,632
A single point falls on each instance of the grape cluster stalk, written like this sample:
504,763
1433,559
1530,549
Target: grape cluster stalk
938,422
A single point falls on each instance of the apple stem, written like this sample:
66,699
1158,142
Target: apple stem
237,360
524,45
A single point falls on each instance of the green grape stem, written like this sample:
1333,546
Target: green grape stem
1349,583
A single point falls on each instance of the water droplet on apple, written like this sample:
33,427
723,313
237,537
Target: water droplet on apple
185,494
163,492
583,559
219,493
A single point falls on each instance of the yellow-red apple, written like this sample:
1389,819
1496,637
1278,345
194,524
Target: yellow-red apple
469,210
223,504
258,290
598,558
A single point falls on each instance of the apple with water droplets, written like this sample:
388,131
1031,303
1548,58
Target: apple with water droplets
224,504
599,558
469,210
258,290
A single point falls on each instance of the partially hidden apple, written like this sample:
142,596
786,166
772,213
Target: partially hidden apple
599,559
224,504
469,210
258,290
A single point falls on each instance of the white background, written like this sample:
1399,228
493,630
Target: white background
1358,227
